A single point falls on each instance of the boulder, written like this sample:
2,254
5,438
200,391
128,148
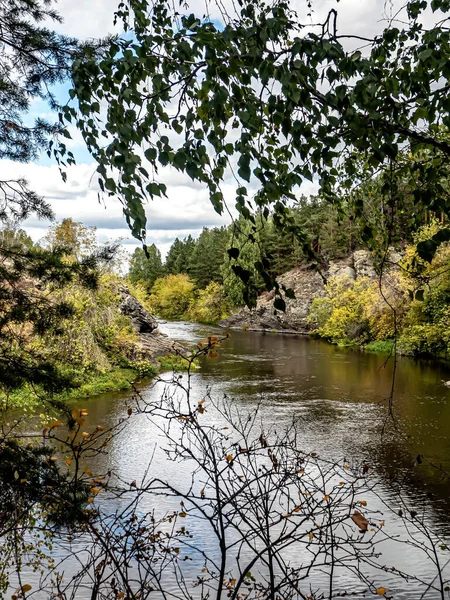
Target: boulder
141,319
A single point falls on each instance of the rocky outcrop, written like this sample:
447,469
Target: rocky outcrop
141,319
152,343
307,285
156,344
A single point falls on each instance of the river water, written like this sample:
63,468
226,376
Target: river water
339,398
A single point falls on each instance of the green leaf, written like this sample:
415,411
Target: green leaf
279,304
233,252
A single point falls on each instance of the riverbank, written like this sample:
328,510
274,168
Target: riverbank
88,385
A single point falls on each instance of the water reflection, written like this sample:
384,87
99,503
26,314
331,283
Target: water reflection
338,396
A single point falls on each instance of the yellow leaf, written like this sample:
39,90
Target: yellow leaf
81,421
229,457
381,591
90,500
100,428
95,490
83,412
311,535
53,458
182,514
69,460
326,497
26,587
121,595
362,502
85,434
75,414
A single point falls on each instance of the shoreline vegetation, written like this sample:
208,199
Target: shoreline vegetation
95,384
111,337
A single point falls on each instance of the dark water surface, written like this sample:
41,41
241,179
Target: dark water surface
339,396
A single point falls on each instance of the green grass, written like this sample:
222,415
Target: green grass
175,363
380,347
112,381
89,384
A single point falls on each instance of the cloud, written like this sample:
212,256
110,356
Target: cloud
186,210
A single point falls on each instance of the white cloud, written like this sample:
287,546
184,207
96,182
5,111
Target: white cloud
186,210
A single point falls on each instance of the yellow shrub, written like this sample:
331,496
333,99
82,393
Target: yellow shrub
171,296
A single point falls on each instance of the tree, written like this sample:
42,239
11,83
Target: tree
78,240
146,268
33,59
208,256
178,258
281,101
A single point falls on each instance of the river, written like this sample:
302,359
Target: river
339,398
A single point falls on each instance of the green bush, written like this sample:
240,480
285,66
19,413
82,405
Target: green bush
422,340
208,305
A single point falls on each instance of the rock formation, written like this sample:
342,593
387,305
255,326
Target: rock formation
141,319
307,285
152,343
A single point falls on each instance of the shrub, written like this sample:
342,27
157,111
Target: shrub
171,296
208,305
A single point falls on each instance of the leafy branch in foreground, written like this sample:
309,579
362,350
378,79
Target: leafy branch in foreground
261,100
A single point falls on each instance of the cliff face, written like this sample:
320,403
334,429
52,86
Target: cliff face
307,285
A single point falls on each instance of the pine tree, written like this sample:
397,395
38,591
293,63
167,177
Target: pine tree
33,58
208,256
146,268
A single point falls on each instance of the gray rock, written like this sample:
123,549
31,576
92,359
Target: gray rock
342,271
141,319
363,263
307,285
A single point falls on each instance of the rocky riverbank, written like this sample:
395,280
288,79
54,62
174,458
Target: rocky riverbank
152,343
307,284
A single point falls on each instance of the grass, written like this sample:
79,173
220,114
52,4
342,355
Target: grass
94,384
380,347
175,363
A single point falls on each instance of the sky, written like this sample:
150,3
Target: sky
187,209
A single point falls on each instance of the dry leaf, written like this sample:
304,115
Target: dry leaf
360,521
